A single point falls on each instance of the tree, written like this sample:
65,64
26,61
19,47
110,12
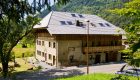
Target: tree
11,33
16,21
132,13
29,39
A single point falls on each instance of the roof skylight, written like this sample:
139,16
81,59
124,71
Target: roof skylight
107,24
101,24
69,22
93,24
63,22
81,16
73,15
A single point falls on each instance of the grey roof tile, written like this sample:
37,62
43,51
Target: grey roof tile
52,23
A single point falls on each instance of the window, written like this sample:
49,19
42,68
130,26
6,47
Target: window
116,43
42,43
43,54
69,22
49,44
39,42
63,22
112,43
73,15
50,56
38,52
101,24
99,43
81,16
107,24
93,44
53,44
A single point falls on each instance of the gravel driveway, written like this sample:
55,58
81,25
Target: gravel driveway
49,72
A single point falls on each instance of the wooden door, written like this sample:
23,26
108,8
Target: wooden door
97,59
45,56
53,60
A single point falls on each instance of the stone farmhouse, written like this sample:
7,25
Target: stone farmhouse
61,39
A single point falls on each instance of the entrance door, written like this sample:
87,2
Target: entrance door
106,58
53,60
111,57
97,59
45,56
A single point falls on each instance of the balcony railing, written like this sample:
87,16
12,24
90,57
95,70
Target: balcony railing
104,48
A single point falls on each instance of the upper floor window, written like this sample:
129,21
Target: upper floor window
93,44
54,45
50,56
99,43
43,43
39,42
49,44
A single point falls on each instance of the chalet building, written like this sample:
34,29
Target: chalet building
61,39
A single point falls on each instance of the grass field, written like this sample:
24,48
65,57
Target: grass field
99,76
28,52
22,65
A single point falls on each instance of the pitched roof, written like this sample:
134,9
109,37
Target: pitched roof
65,23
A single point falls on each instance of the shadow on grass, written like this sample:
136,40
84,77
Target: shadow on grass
44,75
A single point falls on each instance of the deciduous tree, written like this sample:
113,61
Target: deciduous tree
132,13
16,21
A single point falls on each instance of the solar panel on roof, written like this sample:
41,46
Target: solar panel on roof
63,22
73,15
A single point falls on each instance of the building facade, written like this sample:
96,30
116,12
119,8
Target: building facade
61,39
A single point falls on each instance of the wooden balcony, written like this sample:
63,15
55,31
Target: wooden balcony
104,48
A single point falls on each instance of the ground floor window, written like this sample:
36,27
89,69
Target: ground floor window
43,54
50,56
38,52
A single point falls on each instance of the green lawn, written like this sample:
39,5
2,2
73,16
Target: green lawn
99,76
23,65
28,52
